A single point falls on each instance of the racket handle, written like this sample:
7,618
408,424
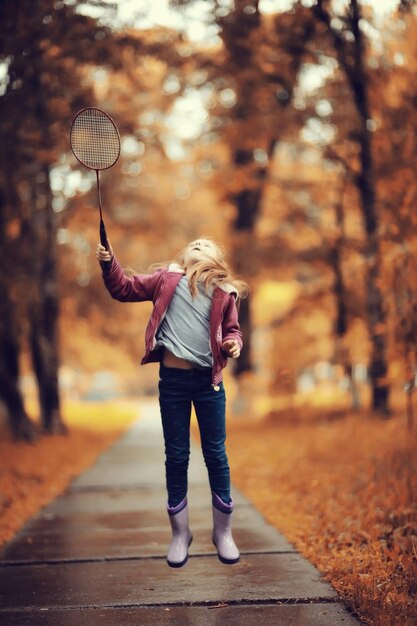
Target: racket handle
103,235
104,242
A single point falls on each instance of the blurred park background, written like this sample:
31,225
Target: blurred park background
283,129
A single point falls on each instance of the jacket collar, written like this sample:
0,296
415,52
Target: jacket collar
227,287
174,267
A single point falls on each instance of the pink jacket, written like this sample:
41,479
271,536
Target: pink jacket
160,287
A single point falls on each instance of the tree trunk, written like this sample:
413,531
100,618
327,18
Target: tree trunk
20,424
248,204
44,308
351,56
44,360
378,368
236,30
410,358
342,354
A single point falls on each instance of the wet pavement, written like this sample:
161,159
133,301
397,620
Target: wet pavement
96,555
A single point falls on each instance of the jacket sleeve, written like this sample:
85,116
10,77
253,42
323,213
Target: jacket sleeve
230,325
136,288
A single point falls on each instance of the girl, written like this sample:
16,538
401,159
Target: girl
192,330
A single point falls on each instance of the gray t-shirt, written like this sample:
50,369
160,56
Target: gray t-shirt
185,329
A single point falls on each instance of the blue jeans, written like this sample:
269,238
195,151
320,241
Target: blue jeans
178,388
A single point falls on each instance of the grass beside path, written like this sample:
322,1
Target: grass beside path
33,474
344,493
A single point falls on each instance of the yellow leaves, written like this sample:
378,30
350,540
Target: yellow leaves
273,300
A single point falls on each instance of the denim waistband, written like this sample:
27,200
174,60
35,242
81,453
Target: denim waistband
193,372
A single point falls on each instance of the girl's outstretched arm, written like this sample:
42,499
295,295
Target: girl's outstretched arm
136,288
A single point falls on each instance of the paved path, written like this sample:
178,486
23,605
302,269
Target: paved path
96,555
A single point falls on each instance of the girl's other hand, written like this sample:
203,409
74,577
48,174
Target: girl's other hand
232,347
102,254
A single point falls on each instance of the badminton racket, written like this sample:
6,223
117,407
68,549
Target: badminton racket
95,142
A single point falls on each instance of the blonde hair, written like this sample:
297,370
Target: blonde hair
212,271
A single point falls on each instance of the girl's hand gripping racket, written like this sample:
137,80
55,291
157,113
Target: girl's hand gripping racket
95,143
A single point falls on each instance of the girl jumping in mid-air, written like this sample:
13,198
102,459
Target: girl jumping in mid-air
192,330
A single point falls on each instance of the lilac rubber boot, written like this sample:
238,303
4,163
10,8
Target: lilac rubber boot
181,534
222,531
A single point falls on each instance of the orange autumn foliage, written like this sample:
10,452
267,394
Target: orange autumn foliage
336,488
343,491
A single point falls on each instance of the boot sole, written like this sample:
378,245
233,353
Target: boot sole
224,560
181,563
228,561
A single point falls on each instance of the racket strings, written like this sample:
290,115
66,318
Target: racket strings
95,140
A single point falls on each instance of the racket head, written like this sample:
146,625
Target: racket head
94,139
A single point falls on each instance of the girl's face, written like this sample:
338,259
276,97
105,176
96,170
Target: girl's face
199,250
